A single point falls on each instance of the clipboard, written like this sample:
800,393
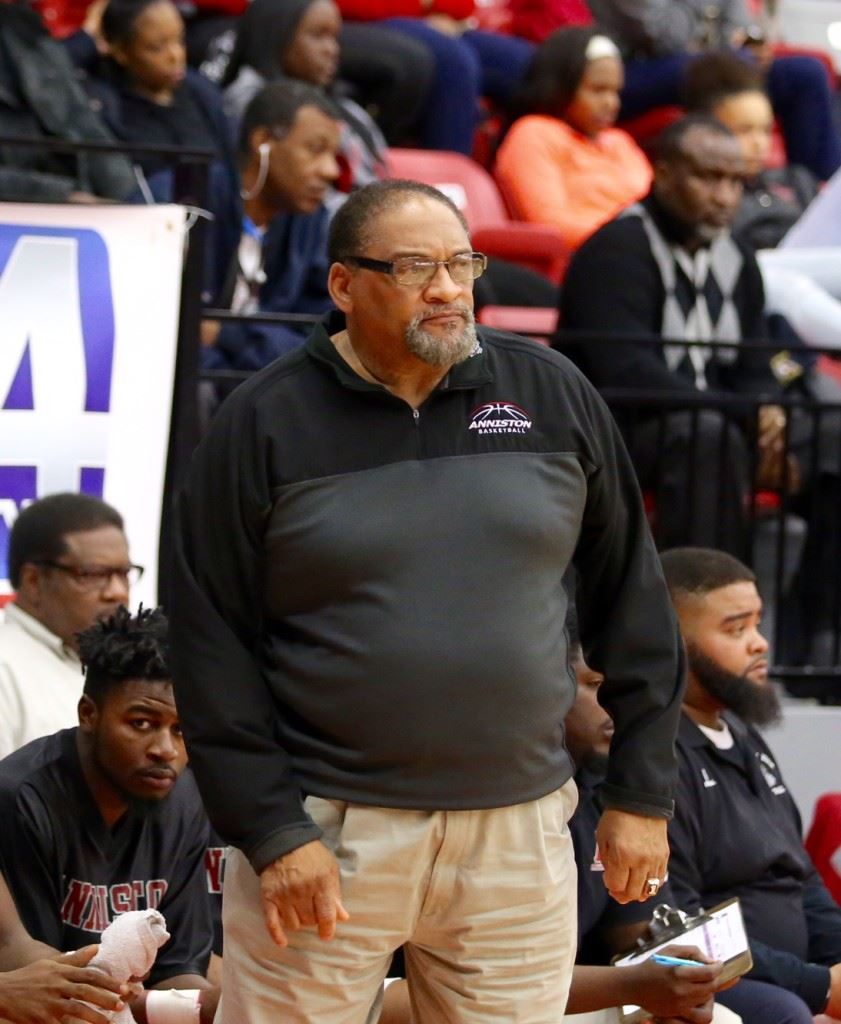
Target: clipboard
719,932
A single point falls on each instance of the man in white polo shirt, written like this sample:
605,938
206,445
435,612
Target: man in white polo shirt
69,565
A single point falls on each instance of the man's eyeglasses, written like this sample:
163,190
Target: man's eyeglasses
413,271
96,577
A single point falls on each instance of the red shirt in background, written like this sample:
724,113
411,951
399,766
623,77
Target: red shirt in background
375,10
536,19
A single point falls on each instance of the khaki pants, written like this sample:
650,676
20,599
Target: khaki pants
484,901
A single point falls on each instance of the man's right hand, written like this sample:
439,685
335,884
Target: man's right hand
684,992
55,991
301,890
833,1007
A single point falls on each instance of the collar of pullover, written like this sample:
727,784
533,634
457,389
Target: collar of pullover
474,371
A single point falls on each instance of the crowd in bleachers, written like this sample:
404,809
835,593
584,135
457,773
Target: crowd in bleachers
674,228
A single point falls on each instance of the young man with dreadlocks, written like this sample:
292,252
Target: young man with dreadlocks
101,819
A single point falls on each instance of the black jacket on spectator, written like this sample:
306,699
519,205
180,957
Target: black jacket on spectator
772,203
296,265
597,910
737,832
614,287
195,120
41,98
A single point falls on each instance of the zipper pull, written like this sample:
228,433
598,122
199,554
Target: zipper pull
416,414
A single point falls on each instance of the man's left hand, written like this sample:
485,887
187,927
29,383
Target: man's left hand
633,849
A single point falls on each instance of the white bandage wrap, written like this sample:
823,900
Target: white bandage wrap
600,46
173,1006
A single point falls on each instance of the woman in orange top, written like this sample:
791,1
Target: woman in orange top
562,162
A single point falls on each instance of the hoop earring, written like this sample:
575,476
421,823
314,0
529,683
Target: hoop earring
262,174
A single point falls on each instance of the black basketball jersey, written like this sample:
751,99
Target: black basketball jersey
71,875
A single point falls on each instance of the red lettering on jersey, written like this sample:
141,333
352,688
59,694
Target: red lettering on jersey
98,919
155,892
75,902
139,891
214,867
123,898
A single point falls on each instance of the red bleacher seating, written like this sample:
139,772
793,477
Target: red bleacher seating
823,843
538,323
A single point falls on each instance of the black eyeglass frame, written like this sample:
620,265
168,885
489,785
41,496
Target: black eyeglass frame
88,576
387,266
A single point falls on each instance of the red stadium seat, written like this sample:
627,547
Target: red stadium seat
823,843
645,128
474,191
537,323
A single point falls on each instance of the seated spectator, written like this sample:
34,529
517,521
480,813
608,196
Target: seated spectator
149,96
732,89
69,565
391,76
274,259
773,200
101,819
658,38
562,161
41,99
668,267
36,984
736,829
300,40
469,63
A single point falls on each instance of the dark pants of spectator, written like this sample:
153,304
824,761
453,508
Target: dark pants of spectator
466,67
757,1002
798,88
696,466
392,75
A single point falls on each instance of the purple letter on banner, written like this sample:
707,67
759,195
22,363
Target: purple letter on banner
56,360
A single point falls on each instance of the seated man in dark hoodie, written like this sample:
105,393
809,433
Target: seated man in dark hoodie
275,259
40,98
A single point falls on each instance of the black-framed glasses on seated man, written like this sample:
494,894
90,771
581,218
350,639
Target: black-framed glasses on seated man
413,271
96,577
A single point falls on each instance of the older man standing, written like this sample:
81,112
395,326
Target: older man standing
371,662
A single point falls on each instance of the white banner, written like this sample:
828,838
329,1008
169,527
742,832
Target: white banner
89,301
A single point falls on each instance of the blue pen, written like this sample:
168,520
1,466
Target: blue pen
675,961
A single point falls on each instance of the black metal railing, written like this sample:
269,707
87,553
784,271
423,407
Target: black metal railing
785,524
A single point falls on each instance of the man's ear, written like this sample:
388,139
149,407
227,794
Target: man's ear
31,580
88,714
118,52
663,176
338,284
259,137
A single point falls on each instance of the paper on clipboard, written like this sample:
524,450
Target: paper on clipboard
720,933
